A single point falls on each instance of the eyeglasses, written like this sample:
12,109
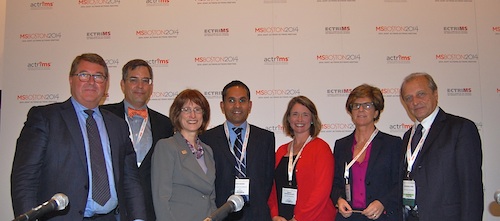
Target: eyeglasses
84,77
135,80
366,106
188,110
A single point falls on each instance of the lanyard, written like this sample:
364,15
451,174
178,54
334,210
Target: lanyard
141,131
348,166
245,141
410,158
291,164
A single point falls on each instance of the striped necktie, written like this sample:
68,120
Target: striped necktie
238,150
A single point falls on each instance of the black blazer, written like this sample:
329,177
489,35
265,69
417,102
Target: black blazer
447,171
161,127
50,158
260,170
382,176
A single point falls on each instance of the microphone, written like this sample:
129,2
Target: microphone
497,196
58,202
234,204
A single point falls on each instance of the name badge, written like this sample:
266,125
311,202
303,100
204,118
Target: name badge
348,192
289,196
409,192
242,186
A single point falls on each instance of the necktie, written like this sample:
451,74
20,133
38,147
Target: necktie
100,183
238,149
416,137
133,112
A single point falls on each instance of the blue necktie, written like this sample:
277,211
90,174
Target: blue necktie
238,150
100,184
416,137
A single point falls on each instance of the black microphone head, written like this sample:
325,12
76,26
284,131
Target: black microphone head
237,201
61,200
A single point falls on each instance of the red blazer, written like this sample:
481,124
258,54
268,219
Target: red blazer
314,174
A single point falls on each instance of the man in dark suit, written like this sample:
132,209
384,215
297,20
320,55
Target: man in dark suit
146,125
66,147
248,170
442,166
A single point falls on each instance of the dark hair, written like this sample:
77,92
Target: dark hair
92,58
183,97
234,84
316,123
432,84
367,91
133,64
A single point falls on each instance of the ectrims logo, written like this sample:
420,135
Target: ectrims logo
98,35
216,32
398,59
339,30
338,58
457,58
40,65
339,92
276,31
459,91
455,30
158,62
276,60
41,5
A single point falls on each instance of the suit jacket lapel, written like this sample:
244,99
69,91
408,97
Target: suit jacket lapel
434,132
187,160
375,151
70,117
223,143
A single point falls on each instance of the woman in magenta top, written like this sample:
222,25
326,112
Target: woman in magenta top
304,168
366,183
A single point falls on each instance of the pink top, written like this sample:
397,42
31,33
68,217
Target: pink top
358,171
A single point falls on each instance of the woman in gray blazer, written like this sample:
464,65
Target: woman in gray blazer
183,168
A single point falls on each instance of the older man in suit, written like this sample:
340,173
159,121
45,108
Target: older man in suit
442,166
244,157
146,125
80,150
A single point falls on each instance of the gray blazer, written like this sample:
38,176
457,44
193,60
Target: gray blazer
181,190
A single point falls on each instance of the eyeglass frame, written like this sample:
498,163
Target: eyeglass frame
85,77
136,80
188,110
366,106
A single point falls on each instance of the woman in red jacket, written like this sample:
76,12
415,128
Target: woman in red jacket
304,168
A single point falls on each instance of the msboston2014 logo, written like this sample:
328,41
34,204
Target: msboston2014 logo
457,58
157,33
37,98
40,36
396,30
216,60
98,3
276,31
277,93
338,58
164,95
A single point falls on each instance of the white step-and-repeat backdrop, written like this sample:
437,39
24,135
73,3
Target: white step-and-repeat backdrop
279,48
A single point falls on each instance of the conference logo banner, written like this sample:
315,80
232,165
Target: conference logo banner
338,30
158,62
453,0
338,92
337,127
455,30
217,95
216,60
163,95
40,37
98,3
276,31
390,92
41,5
336,0
277,93
456,58
112,62
463,92
215,2
338,58
496,30
276,60
396,30
274,1
274,128
157,2
98,35
216,32
37,99
39,66
399,127
156,33
398,59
